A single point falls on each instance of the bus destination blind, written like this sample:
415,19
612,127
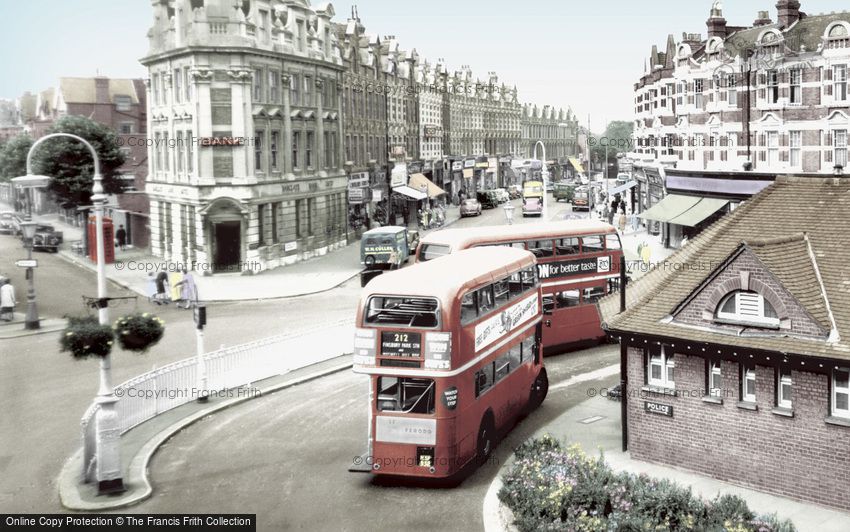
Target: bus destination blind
401,344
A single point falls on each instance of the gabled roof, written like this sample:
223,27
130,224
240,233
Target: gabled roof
82,90
814,269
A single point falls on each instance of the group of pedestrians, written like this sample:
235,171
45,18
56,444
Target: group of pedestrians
179,287
430,218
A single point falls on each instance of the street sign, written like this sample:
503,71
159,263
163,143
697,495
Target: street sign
27,263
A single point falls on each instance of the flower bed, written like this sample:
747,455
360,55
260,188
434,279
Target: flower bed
552,488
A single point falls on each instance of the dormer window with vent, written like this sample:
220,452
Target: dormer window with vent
747,308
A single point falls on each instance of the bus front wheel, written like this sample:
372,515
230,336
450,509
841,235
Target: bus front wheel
486,438
539,390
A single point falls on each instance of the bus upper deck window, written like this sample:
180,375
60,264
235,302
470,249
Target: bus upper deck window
567,246
590,244
516,284
541,248
467,307
485,300
529,279
501,291
612,241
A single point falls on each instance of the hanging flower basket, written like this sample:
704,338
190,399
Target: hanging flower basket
85,337
138,332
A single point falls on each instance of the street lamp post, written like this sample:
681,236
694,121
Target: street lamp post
107,445
544,175
509,213
28,228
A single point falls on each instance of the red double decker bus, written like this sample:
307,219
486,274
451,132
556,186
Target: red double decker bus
453,353
578,263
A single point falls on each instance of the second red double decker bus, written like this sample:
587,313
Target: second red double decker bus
453,353
578,262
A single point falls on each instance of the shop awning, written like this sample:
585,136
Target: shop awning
417,181
623,188
670,207
577,165
411,193
699,212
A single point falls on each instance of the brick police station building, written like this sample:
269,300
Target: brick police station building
738,347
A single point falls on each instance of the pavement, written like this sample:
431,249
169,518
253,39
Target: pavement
307,277
595,425
15,328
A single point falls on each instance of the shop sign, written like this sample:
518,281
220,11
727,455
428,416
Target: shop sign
398,178
469,163
457,166
658,408
221,141
357,195
358,180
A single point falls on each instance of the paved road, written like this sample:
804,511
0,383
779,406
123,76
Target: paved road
285,458
44,392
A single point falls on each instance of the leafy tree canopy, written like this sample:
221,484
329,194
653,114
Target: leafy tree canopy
13,157
69,162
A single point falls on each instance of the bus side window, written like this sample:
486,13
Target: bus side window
467,307
485,300
483,379
518,245
529,278
548,304
503,367
593,294
515,355
612,241
567,246
592,244
567,298
541,248
515,284
501,291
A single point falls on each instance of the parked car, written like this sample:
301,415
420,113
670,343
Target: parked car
515,191
622,179
7,225
550,186
488,199
503,195
47,238
470,207
532,207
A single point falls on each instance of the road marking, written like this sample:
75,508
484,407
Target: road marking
601,373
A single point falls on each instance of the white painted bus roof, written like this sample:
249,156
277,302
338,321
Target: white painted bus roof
519,232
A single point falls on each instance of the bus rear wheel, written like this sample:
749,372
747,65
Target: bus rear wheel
486,439
539,389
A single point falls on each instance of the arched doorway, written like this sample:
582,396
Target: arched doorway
224,226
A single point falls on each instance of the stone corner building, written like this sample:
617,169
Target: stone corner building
245,133
738,347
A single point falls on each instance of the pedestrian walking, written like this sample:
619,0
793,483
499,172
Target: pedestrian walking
162,288
394,260
7,300
174,279
150,288
121,237
188,290
622,221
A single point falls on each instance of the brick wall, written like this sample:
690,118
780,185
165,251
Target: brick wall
801,457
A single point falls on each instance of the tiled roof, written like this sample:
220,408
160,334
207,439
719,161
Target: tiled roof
818,207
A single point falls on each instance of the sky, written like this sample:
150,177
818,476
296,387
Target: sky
583,55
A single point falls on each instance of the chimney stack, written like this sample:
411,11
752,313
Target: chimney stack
789,12
101,90
716,24
763,19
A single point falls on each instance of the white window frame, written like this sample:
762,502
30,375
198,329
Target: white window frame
747,374
772,86
667,365
839,80
732,90
783,378
839,148
843,390
796,86
739,317
772,148
715,379
795,150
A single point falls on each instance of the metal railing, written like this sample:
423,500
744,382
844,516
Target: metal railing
160,390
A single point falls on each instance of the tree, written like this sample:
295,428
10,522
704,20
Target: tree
69,163
618,138
13,157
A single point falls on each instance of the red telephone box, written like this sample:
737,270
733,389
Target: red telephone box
108,240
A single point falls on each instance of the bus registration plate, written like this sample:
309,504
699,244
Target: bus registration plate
401,344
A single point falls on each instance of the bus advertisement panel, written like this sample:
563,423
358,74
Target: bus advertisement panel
578,262
452,349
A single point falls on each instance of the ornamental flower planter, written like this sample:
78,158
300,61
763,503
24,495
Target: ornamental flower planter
138,332
85,337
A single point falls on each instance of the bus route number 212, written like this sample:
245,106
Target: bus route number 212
401,344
